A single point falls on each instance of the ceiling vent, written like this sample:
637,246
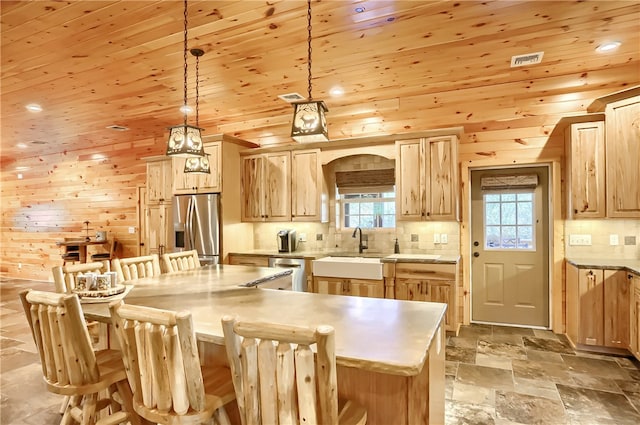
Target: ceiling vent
292,97
38,142
117,127
528,59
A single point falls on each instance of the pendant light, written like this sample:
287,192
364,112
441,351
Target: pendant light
197,164
309,122
186,140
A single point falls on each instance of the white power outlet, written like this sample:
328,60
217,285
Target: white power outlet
613,240
302,237
132,230
436,238
444,238
579,240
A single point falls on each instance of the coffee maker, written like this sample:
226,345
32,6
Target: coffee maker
286,240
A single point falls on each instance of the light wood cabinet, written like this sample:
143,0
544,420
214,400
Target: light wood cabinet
598,307
426,282
344,286
158,232
309,195
623,156
634,314
584,144
266,187
159,180
188,183
249,260
427,179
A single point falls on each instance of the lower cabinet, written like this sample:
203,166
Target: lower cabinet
249,260
346,286
634,315
598,307
426,282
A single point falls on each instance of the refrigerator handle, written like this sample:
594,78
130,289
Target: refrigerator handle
190,214
187,226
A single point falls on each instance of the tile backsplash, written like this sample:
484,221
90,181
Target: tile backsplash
413,238
626,231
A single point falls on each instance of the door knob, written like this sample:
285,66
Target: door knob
476,254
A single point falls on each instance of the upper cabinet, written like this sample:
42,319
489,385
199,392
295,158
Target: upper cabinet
266,187
187,183
427,179
308,189
623,156
159,187
584,144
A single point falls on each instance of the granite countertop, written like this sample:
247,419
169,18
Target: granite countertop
381,335
632,266
385,258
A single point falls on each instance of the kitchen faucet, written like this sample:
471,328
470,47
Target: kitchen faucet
361,247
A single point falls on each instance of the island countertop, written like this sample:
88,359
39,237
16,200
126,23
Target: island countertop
379,335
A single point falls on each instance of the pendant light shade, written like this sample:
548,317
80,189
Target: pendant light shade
186,140
309,121
197,164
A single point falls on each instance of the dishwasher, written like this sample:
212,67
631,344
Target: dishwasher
297,265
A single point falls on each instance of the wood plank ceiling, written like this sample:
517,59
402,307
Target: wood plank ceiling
403,65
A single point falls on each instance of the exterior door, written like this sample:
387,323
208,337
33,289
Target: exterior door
510,246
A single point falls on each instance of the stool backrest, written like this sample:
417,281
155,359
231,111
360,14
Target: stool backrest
178,261
160,353
60,333
276,376
64,277
136,267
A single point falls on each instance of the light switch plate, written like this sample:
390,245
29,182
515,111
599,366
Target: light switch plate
436,238
302,237
613,240
444,238
132,230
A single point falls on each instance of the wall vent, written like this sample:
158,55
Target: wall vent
292,97
528,59
117,127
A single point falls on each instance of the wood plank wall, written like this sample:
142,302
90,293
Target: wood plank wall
59,192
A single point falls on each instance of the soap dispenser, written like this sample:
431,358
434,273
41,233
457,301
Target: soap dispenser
396,247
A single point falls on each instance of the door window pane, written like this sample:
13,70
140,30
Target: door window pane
508,221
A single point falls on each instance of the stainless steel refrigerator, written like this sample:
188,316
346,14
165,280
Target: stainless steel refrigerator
196,225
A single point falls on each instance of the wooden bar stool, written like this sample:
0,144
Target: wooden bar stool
177,261
163,366
70,366
279,380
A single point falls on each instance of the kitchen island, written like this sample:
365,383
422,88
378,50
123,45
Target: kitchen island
390,353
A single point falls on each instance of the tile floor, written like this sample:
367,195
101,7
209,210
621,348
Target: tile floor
494,375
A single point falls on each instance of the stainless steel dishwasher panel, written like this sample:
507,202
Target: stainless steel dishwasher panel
297,265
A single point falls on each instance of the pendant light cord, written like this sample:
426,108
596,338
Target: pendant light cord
197,88
309,46
185,63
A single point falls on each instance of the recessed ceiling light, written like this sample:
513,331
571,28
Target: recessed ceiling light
359,9
22,168
186,109
22,145
336,91
34,107
608,46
